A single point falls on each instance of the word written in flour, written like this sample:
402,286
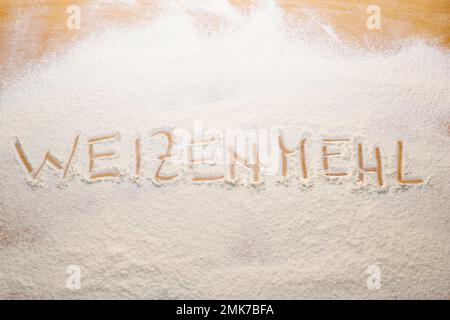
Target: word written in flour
193,157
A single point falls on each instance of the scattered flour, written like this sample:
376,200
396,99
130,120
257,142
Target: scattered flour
209,240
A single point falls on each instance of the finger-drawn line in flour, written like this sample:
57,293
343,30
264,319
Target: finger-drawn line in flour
336,149
191,151
137,150
326,154
235,158
400,177
192,160
103,138
23,157
72,153
113,173
164,157
377,169
51,159
335,141
303,159
285,152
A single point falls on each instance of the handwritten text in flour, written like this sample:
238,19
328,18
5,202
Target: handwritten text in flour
167,155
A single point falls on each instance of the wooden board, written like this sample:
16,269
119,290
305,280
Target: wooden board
31,28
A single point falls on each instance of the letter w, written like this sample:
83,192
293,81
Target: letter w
48,158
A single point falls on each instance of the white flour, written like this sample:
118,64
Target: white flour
184,240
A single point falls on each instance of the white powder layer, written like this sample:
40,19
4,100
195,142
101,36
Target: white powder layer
185,240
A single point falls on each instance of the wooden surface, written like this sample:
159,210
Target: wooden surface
31,28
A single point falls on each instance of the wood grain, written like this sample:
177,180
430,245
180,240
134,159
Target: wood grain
31,28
